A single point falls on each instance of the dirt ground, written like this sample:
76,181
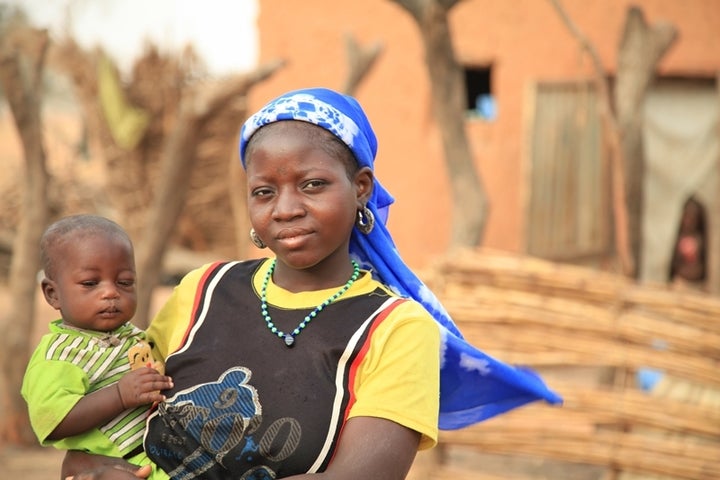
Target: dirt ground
30,463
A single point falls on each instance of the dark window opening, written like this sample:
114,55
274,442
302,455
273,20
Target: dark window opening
689,255
480,102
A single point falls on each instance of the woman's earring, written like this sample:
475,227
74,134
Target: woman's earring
256,240
365,220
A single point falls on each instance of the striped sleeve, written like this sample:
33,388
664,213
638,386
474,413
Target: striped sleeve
399,378
168,329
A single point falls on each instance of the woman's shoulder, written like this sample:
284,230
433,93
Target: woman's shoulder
410,310
218,267
371,283
409,313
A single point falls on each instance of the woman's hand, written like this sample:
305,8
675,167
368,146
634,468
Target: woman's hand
113,473
84,466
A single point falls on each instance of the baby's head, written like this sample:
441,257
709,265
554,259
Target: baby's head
89,268
70,231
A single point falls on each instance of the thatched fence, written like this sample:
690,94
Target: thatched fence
589,333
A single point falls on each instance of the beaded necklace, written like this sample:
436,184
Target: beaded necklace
290,337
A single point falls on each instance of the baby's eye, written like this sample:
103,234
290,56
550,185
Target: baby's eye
88,283
126,283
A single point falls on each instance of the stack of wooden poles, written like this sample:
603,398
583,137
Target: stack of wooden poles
589,333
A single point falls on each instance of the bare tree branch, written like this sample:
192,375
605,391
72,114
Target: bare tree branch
641,48
179,155
360,62
447,85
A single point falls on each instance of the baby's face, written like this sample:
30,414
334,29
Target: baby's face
94,282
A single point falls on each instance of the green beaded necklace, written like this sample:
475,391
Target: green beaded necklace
290,337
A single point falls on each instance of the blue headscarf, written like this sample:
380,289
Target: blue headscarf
473,385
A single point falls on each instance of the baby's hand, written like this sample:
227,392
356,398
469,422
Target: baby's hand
142,387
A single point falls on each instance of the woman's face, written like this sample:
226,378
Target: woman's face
301,199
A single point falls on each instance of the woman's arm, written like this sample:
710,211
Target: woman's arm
369,448
374,448
401,383
85,466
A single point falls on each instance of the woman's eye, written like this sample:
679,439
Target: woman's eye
315,184
261,192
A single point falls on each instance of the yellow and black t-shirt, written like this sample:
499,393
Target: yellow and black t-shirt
246,404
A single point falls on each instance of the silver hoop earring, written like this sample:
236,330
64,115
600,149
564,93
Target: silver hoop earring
256,240
365,220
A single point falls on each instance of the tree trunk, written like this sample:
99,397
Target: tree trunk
641,49
180,153
176,165
469,199
21,78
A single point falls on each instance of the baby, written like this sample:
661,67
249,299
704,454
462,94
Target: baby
91,381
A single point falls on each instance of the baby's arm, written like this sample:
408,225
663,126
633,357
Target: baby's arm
136,388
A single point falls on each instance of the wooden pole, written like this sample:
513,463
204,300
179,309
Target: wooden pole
713,282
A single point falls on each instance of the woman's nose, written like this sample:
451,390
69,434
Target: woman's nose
288,205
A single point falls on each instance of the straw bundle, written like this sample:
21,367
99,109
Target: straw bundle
469,269
454,473
584,409
492,305
562,318
630,452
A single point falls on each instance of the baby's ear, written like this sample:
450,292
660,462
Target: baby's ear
50,293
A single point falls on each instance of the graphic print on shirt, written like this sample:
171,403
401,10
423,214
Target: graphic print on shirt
221,414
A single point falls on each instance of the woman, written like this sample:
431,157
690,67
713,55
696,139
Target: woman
325,359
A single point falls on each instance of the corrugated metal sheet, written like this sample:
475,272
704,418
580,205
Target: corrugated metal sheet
567,211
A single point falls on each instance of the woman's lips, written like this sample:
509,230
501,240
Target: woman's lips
293,237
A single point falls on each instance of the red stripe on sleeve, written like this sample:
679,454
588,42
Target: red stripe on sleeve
355,366
199,290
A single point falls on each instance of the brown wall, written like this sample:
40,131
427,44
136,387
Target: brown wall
524,41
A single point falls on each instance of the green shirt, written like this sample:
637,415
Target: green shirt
68,364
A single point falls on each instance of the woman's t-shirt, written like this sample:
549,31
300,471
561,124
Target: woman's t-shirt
244,405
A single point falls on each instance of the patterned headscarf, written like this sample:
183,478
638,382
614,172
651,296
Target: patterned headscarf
473,385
